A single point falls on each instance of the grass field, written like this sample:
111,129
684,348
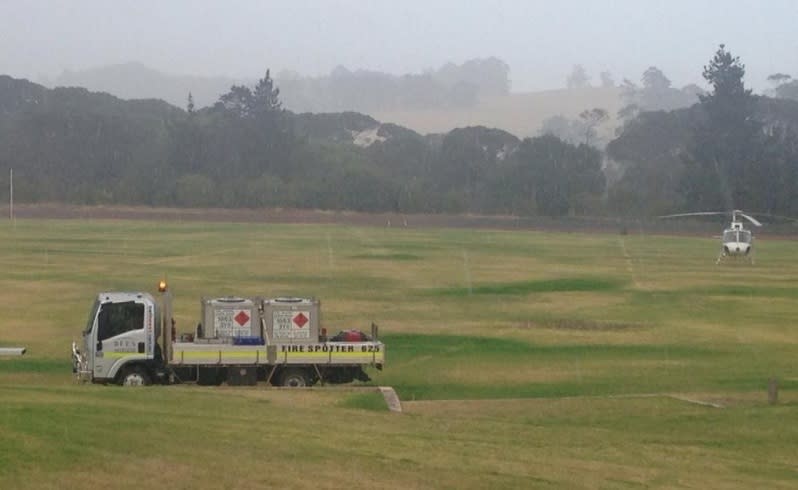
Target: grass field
523,360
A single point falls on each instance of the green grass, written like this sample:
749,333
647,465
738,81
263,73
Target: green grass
527,287
522,359
371,400
483,366
34,365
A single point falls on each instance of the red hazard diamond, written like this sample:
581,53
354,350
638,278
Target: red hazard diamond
242,318
300,320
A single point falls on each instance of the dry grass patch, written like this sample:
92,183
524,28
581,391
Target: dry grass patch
468,373
584,325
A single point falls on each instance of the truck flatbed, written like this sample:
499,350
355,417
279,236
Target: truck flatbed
190,353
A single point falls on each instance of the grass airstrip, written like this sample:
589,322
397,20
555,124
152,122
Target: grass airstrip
523,359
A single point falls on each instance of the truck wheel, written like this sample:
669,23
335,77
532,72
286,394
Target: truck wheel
295,378
134,376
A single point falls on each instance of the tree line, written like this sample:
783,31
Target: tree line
450,86
731,149
71,145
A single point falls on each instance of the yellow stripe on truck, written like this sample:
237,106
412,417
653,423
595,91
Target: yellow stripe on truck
259,356
364,357
120,355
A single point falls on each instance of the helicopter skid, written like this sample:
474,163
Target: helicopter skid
724,256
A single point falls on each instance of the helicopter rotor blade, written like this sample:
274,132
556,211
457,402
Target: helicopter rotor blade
734,215
702,213
749,218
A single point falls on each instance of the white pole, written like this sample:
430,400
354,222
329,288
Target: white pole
11,194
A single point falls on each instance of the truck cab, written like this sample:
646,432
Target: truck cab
120,341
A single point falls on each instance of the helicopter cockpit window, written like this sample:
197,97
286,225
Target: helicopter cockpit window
730,236
745,236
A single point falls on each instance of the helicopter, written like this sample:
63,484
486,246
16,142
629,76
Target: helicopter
736,241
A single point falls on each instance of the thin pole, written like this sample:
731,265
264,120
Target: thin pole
11,194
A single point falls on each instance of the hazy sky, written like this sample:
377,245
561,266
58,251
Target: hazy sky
540,40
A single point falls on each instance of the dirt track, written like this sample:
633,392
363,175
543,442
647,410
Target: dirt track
280,215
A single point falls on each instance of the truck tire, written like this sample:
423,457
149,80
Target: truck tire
295,378
134,376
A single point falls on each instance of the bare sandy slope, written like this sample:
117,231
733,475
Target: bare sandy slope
520,114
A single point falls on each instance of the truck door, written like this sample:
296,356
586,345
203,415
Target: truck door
120,333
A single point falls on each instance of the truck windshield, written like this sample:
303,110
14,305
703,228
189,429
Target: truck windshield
92,316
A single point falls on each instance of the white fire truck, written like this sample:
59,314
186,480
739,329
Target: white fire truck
130,339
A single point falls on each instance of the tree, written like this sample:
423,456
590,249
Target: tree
563,128
592,119
565,179
491,76
578,78
788,90
627,113
723,159
243,102
656,94
467,159
606,79
646,156
786,87
628,90
779,78
693,91
194,190
190,104
237,101
654,79
725,73
266,97
581,130
629,95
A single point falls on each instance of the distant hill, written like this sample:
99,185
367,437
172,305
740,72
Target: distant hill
519,113
136,81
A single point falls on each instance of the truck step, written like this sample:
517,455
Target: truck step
12,351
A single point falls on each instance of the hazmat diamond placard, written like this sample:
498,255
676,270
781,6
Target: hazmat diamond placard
291,324
300,320
242,318
233,322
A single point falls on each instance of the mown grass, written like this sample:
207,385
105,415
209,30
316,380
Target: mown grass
528,287
387,256
371,400
506,348
34,365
